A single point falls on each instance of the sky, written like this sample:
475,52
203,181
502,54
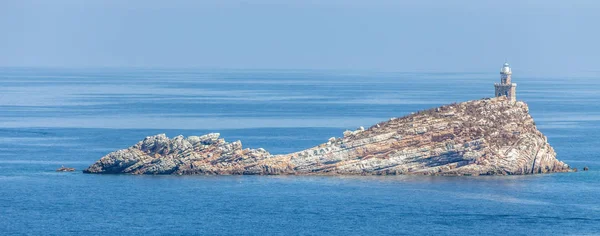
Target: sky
538,37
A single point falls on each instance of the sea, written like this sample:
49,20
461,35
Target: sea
50,117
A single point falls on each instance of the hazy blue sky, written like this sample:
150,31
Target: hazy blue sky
535,36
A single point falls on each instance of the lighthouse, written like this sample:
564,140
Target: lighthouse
506,87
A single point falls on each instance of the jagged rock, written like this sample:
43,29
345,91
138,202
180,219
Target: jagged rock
483,137
65,169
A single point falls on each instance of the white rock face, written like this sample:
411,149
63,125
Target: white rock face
484,137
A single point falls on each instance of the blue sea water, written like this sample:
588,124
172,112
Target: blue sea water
72,117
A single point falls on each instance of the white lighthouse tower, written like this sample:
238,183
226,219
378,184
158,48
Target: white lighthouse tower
506,87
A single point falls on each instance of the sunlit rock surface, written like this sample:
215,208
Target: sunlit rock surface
484,137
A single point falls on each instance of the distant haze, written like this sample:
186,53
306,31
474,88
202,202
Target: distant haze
537,37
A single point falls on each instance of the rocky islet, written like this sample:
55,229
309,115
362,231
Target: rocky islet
494,136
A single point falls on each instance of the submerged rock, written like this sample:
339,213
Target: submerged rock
483,137
65,169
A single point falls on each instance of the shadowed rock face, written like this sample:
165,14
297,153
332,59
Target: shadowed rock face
483,137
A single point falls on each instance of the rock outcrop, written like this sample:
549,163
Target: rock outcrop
483,137
65,169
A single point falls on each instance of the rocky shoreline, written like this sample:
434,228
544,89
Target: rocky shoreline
483,137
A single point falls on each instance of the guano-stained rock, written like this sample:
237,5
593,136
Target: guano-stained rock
484,137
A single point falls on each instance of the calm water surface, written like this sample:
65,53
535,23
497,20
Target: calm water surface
52,117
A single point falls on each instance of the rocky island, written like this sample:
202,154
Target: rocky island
494,136
65,169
